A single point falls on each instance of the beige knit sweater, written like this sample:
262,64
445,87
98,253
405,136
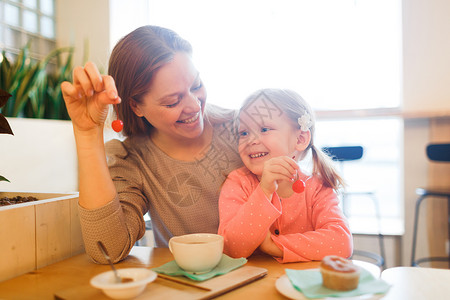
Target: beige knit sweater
181,197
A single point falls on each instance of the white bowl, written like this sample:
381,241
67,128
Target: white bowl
106,282
197,252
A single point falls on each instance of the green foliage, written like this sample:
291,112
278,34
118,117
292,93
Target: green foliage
35,86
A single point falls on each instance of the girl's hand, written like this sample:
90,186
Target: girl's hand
277,168
269,247
88,97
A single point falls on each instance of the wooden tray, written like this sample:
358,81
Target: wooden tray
165,289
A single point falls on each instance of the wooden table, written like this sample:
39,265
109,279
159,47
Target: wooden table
71,276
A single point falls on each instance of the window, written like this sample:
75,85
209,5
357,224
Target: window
378,171
27,20
338,54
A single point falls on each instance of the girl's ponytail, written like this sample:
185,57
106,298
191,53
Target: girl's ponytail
324,167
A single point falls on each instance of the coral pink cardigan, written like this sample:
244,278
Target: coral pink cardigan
306,226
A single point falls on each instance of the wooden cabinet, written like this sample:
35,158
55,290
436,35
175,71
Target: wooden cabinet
38,233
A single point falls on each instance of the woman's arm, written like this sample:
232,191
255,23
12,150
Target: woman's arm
87,100
95,184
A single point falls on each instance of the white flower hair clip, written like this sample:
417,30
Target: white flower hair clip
305,122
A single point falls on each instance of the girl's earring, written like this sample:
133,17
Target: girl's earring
117,124
299,185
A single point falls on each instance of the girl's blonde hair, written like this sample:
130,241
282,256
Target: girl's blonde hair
294,106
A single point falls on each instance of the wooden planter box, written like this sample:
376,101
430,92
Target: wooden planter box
38,233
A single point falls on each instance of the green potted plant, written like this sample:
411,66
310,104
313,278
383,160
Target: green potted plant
33,87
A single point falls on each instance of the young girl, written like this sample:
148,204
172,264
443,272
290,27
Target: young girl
258,207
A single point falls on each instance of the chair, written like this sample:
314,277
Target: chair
350,153
148,228
436,153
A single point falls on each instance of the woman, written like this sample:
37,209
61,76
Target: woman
176,152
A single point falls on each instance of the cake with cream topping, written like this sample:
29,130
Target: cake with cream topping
339,273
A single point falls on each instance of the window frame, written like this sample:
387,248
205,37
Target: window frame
40,45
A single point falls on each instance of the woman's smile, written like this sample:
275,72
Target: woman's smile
190,120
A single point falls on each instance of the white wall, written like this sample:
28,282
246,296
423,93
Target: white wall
426,55
39,157
416,137
85,20
81,21
139,9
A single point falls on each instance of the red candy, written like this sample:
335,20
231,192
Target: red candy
117,125
298,186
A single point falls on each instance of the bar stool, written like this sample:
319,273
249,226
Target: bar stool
349,153
436,153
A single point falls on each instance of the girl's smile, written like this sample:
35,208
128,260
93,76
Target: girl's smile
258,155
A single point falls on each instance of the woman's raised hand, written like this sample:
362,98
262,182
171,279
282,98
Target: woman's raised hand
89,96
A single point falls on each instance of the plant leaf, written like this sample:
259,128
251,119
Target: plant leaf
4,126
27,84
3,178
5,79
4,96
20,64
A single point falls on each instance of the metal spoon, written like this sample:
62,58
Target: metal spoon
105,253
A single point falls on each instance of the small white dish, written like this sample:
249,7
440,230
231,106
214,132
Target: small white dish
285,287
106,282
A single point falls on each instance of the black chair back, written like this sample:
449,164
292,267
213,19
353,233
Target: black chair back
344,153
439,152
